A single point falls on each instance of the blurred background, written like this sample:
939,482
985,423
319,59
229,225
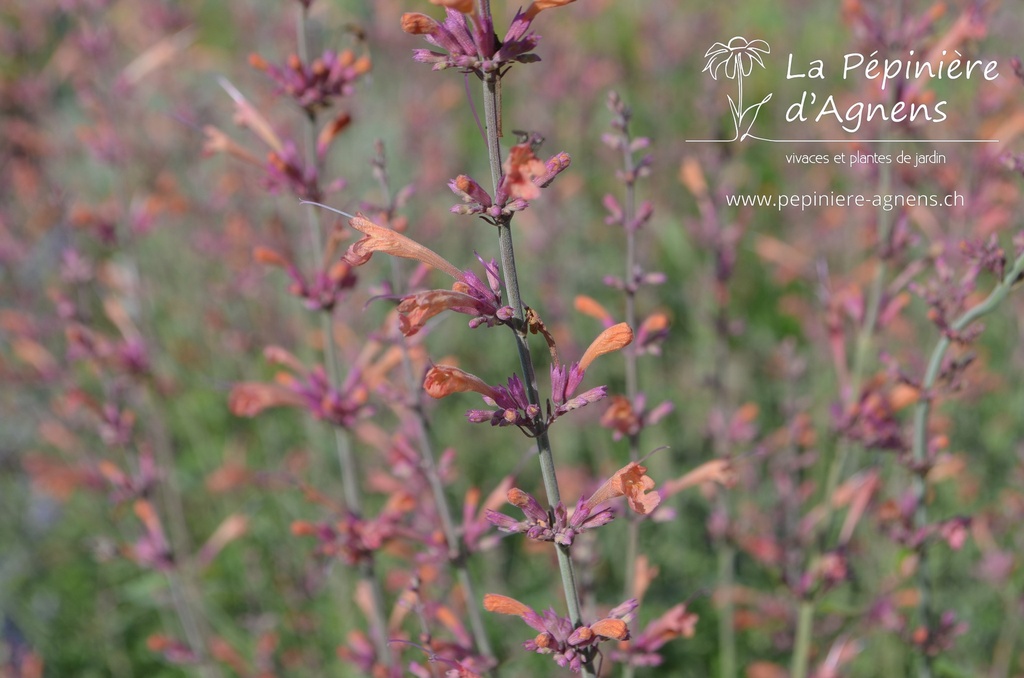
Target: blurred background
130,303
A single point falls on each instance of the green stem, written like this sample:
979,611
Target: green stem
922,412
629,353
724,547
351,493
727,615
1002,655
546,458
845,448
456,550
802,643
185,597
510,275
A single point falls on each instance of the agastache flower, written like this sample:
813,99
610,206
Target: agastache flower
352,539
469,294
941,637
464,6
114,424
470,40
306,388
284,168
125,486
554,526
512,406
872,420
631,482
474,515
129,355
524,177
649,336
642,649
470,43
152,548
569,647
326,286
382,239
566,379
625,419
313,86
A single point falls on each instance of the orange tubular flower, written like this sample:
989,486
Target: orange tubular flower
416,309
593,308
464,6
443,380
415,23
381,239
499,604
629,481
558,637
521,168
612,339
610,628
540,5
249,398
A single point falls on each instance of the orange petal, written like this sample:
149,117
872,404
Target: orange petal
645,574
233,527
656,322
584,633
612,339
692,177
147,514
112,473
416,309
620,416
719,471
258,62
415,23
590,306
443,380
265,255
517,497
494,602
611,628
464,6
630,481
247,115
380,239
540,5
903,395
249,398
303,528
332,129
217,141
281,356
520,169
34,354
643,503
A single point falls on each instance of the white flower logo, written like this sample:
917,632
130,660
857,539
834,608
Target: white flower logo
736,60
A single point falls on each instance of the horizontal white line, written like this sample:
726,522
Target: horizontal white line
848,141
